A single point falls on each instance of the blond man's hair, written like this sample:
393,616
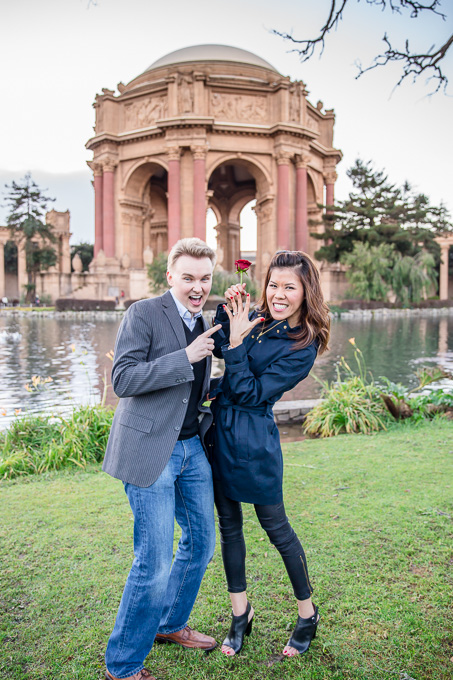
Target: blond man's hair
194,247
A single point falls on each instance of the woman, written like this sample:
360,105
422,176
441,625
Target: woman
266,354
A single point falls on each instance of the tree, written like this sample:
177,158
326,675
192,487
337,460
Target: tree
28,228
381,212
376,271
369,270
414,64
157,274
85,251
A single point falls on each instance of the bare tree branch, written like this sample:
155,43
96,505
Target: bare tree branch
308,46
414,65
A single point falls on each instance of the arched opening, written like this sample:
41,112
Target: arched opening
249,234
144,214
232,187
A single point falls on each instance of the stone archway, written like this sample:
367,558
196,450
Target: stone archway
144,214
194,112
232,184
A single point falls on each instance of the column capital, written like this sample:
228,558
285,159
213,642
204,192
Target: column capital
283,157
173,153
330,177
302,159
109,163
95,167
199,151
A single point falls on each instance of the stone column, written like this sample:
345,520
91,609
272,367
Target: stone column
330,178
98,209
174,196
283,161
199,191
301,204
22,278
2,270
443,278
108,207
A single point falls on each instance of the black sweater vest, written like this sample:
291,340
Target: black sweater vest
190,425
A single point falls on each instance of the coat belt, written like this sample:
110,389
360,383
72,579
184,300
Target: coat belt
232,408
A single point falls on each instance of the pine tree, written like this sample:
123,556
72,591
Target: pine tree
26,221
377,212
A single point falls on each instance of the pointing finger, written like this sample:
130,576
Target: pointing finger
210,331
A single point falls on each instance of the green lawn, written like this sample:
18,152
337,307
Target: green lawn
373,513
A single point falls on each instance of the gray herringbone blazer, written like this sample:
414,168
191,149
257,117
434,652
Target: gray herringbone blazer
152,375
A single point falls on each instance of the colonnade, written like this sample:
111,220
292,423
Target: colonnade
104,206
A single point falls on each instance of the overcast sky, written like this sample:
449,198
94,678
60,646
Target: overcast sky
57,54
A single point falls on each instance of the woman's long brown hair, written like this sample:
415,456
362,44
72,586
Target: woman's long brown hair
314,319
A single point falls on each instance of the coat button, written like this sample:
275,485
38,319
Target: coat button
184,401
177,429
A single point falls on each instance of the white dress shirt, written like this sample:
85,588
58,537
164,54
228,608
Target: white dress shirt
189,319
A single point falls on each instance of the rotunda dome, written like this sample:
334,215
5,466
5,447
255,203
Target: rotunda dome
206,53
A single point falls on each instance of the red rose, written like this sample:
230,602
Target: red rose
242,265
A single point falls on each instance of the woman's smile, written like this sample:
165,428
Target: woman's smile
285,294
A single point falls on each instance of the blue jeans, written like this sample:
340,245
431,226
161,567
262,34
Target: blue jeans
158,595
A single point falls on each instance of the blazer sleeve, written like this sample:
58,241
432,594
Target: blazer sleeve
132,374
280,376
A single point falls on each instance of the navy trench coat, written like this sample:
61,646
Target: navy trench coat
247,457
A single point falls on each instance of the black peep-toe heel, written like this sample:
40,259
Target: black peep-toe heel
304,632
240,626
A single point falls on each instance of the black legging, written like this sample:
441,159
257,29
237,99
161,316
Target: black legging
274,521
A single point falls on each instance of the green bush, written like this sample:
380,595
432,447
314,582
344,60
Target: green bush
222,280
37,444
351,405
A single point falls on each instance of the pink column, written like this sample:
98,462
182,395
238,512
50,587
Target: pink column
330,188
108,210
301,207
283,202
174,197
98,205
199,192
443,277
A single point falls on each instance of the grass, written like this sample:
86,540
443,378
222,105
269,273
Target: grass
36,444
374,515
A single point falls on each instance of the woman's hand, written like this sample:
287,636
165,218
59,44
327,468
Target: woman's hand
237,291
240,326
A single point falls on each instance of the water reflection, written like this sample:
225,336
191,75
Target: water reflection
73,353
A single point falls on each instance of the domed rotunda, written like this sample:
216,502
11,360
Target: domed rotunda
208,126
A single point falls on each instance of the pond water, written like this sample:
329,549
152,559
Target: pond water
72,353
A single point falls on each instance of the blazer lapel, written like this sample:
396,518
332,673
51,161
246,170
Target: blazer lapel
172,314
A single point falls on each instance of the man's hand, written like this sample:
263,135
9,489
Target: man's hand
203,345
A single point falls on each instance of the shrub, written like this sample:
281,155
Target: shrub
70,304
222,280
352,405
37,444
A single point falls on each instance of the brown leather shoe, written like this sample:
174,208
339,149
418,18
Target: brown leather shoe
141,675
188,638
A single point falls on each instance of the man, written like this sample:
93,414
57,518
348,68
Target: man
161,373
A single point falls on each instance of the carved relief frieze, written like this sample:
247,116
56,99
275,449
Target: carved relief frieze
312,123
145,112
246,108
